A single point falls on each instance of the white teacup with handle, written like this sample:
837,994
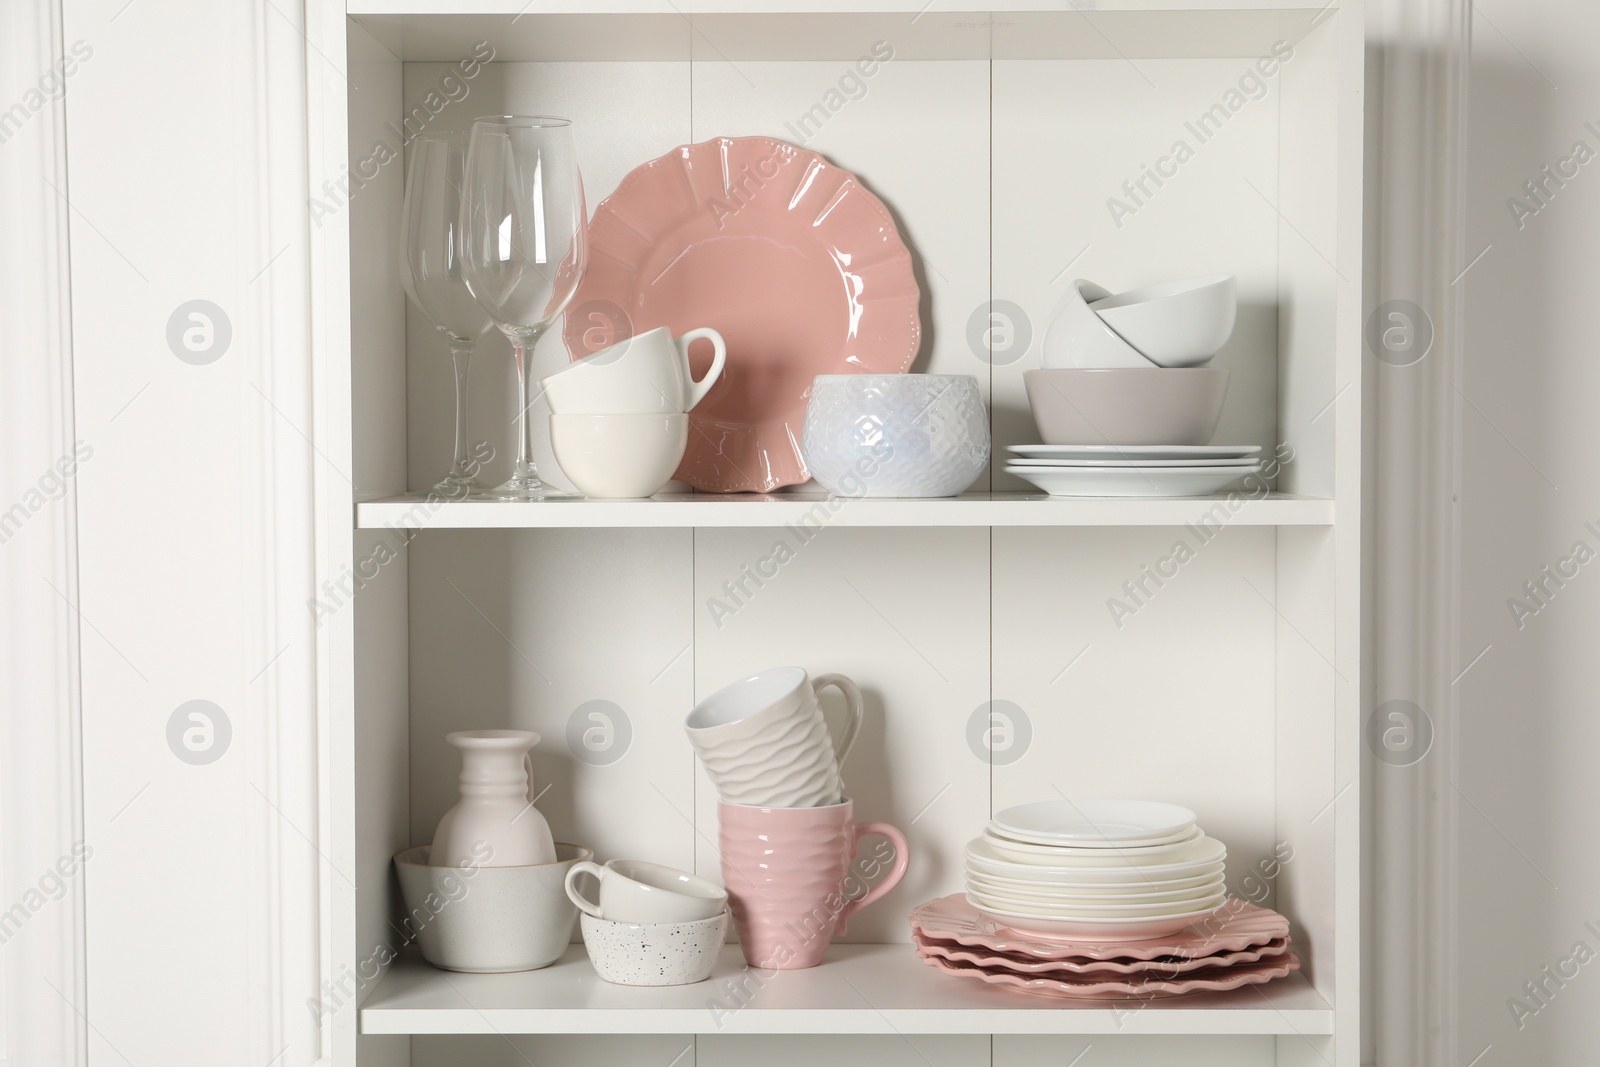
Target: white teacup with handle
636,891
645,374
764,742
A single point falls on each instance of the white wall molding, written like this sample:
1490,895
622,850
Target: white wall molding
1416,119
41,803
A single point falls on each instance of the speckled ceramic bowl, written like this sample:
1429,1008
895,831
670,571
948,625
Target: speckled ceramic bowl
654,953
486,920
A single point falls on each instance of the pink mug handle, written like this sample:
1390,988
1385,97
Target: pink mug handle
901,862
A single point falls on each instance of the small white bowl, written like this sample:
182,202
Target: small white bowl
488,920
1154,406
896,435
1179,324
654,954
1075,337
619,456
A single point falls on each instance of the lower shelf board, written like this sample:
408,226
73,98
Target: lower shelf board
859,989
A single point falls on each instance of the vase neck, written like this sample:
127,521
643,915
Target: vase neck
494,773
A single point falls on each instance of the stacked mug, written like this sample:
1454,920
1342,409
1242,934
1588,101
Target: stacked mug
786,830
619,418
653,925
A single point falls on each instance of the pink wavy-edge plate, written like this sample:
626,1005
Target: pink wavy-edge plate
1217,981
1235,925
957,953
790,258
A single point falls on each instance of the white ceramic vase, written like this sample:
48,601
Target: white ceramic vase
494,824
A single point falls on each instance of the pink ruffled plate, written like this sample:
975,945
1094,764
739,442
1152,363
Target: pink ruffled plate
1164,967
1211,980
791,259
1234,926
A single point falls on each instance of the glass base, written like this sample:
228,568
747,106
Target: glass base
527,487
457,486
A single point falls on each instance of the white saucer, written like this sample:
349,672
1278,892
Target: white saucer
1134,451
1130,481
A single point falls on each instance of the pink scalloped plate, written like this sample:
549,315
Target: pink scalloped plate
1215,980
1166,966
1234,926
790,258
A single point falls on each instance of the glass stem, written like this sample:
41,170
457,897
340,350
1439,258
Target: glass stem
522,349
461,358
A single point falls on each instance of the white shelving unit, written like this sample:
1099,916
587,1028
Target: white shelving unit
1230,681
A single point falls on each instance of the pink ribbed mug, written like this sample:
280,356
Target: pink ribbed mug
790,878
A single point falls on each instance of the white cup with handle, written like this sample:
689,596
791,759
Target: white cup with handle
764,742
636,891
645,374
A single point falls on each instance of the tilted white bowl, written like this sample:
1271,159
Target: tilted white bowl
1178,324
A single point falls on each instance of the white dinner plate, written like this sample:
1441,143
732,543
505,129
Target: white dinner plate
1160,910
1134,451
1050,884
1096,821
1099,897
1006,836
1059,856
1130,481
1252,462
1098,930
1191,857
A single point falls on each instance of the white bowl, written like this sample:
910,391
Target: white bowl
1153,406
1075,337
619,456
1179,324
654,954
896,435
487,920
1159,910
981,853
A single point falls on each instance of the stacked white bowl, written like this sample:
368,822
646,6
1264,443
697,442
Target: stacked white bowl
1096,870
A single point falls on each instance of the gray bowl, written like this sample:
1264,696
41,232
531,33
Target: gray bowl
487,920
1126,406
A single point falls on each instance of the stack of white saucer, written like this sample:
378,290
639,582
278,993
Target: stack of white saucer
1133,470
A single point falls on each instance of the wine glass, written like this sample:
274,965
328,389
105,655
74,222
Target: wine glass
430,268
526,248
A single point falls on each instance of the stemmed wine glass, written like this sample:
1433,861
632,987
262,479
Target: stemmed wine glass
526,248
430,268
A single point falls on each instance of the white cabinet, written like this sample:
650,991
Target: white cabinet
1014,142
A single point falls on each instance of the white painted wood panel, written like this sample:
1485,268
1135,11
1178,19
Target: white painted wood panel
1125,1051
1176,704
553,1050
855,1050
905,613
1067,136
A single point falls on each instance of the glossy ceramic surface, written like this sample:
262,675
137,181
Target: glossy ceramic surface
494,824
896,435
1131,481
1075,336
1044,841
1133,882
1071,858
790,258
1177,324
487,920
1168,909
654,954
618,457
1127,407
1134,452
646,374
789,877
1194,857
1095,821
1019,964
1209,980
1235,926
1095,897
636,891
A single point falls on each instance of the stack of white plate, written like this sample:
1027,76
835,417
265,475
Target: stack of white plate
1133,470
1096,870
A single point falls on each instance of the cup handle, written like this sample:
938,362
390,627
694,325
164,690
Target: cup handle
902,860
854,705
584,867
719,356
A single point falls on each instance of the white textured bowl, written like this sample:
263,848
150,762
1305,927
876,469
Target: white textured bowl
654,954
1075,337
619,456
486,920
896,435
1179,324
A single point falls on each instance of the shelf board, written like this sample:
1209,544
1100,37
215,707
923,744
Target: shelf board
860,989
738,30
815,510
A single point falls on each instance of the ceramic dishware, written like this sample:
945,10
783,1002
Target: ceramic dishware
1004,835
489,919
1157,909
791,259
654,954
1048,893
1153,983
1153,406
1095,821
619,456
1099,929
494,824
1075,336
1206,855
1076,886
1131,481
764,742
1053,857
1177,324
635,891
1134,453
896,435
647,373
790,877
